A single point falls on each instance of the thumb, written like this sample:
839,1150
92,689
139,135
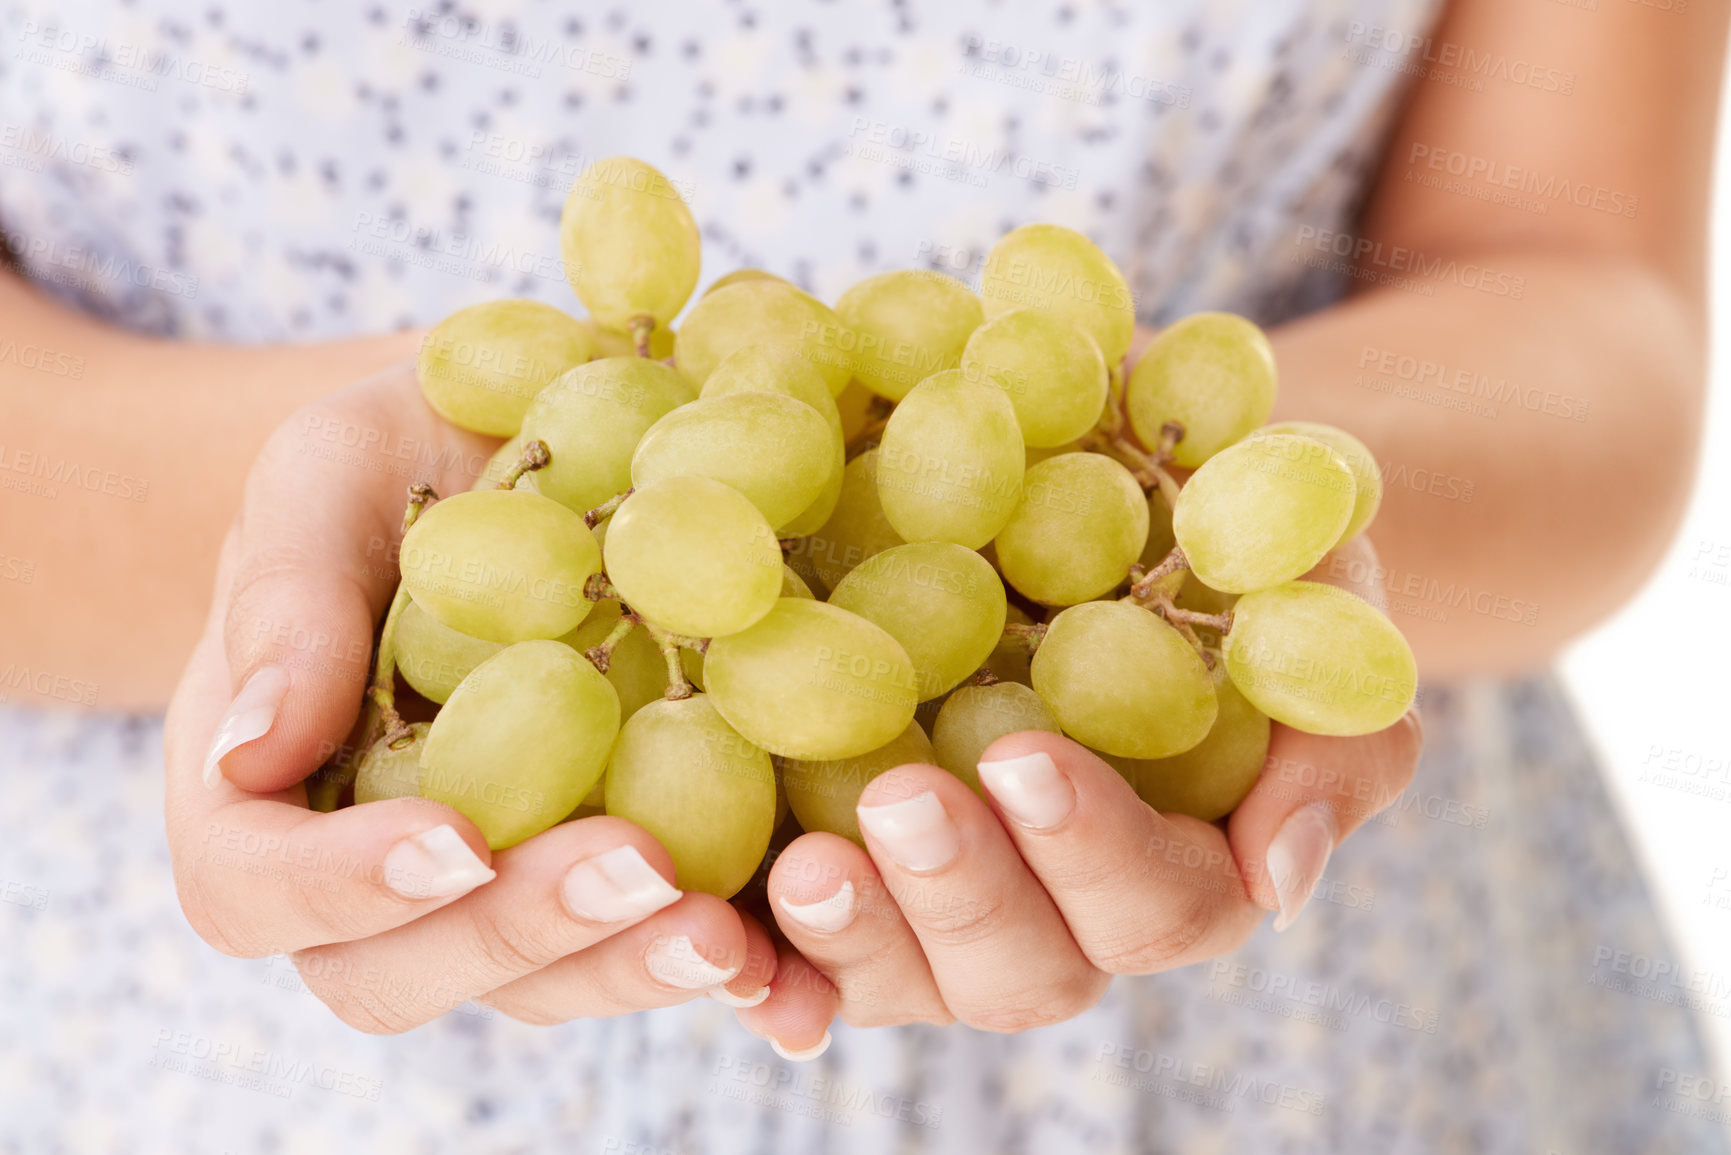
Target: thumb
314,570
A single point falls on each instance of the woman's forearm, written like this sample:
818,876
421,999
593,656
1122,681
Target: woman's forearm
121,463
1515,512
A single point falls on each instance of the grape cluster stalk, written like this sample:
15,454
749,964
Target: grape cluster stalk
722,574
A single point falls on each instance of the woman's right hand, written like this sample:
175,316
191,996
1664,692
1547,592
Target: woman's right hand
396,912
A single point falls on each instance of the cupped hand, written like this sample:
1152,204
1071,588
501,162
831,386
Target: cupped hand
1015,912
396,911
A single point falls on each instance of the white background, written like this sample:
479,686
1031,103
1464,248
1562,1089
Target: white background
1654,682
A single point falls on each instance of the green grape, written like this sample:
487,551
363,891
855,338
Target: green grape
694,557
761,311
1213,373
1263,511
812,681
687,777
907,325
1121,680
1036,454
433,657
1210,779
1010,658
522,740
615,343
1055,268
856,530
859,407
503,565
942,602
1366,476
392,772
777,451
1160,536
950,464
976,716
630,246
738,275
773,369
500,464
824,793
591,420
793,586
1082,522
636,668
481,366
813,517
776,369
1320,660
1050,367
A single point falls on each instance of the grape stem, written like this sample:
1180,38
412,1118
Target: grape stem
384,686
607,508
1030,636
1149,469
602,655
535,456
598,588
421,495
1220,623
1112,421
640,327
983,677
677,686
1143,586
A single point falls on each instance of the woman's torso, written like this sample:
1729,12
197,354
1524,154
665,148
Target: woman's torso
266,172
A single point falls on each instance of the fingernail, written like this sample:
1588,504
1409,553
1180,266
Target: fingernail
435,863
916,831
676,962
728,998
804,1056
249,716
825,916
616,886
1297,856
1031,789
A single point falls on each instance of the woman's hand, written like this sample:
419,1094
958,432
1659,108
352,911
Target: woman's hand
1016,913
396,912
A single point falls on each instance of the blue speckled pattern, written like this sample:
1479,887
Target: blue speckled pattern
1467,979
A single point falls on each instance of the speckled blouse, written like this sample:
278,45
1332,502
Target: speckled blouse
1476,972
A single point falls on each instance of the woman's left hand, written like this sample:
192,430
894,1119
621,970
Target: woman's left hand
1015,913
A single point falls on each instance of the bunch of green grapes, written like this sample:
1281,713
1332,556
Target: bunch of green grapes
714,572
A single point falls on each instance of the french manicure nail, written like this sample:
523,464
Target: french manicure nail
675,961
916,831
1031,789
826,915
616,886
248,717
727,998
435,863
804,1056
1297,856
